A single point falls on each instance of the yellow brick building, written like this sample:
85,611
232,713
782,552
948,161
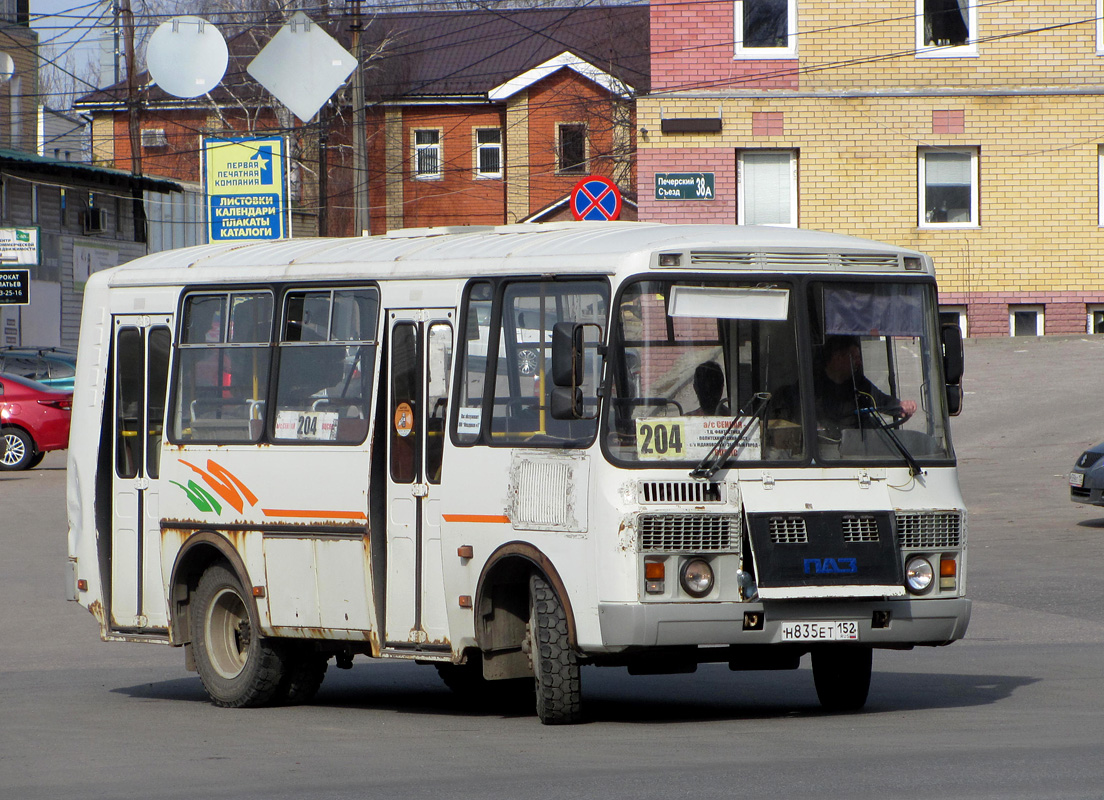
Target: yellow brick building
969,129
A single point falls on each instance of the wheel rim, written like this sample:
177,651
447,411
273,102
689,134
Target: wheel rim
228,634
527,362
15,452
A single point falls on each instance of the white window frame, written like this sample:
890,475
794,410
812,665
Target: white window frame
1040,317
573,169
960,313
1100,183
1091,310
741,190
418,148
789,51
922,186
1099,28
968,50
480,174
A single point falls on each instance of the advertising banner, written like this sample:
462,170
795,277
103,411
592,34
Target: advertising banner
246,189
19,246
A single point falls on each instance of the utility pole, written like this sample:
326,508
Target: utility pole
133,126
362,221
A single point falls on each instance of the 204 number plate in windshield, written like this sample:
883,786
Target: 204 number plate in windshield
821,631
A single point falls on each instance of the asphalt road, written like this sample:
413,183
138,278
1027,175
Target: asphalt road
1014,711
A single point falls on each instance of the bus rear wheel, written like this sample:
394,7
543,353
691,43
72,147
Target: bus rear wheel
555,668
842,676
239,668
304,671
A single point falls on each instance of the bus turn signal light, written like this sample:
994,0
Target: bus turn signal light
653,577
948,573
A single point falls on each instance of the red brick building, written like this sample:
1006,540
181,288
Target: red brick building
471,118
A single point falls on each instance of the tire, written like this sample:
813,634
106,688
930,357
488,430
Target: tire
304,671
842,677
238,667
555,668
36,460
20,451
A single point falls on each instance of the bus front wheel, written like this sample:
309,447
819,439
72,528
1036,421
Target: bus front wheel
842,676
556,670
239,668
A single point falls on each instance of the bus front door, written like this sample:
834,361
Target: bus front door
420,359
141,364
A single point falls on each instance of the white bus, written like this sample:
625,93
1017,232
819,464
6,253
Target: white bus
514,451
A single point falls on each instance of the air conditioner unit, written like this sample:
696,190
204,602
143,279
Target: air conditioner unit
95,220
154,137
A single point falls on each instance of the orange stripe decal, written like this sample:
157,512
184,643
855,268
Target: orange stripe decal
314,514
501,518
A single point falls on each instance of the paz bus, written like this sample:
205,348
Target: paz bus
511,452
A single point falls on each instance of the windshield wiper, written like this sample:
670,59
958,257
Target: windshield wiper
872,413
718,454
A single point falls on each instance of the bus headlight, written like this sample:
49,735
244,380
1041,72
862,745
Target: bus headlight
696,577
919,575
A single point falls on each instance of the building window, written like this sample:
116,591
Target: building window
946,28
948,187
488,153
1096,319
427,154
954,315
1025,320
1100,183
766,28
1099,28
766,191
571,149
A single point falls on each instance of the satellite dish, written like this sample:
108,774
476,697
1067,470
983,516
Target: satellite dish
7,67
187,56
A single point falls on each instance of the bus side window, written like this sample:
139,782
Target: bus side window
222,367
438,368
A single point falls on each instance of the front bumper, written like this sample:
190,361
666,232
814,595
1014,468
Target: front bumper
911,622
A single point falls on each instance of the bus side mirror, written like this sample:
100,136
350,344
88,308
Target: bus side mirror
567,354
953,357
954,361
954,399
566,403
569,349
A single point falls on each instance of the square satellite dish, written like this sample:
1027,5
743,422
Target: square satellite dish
187,56
302,66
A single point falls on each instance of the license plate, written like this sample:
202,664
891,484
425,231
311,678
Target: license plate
820,631
1077,479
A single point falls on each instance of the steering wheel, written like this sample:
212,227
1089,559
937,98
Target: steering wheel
885,411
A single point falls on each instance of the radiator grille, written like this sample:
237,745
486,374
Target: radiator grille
860,529
926,531
681,492
788,530
696,532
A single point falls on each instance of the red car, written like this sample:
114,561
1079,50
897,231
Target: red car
33,419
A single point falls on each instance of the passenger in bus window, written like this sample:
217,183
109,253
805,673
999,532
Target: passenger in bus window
709,386
842,389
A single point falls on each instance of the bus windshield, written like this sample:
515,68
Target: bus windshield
702,364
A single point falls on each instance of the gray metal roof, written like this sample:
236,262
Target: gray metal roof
74,169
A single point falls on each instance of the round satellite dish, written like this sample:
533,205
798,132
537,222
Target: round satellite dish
7,67
187,56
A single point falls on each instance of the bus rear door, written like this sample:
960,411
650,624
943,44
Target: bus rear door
141,364
419,359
